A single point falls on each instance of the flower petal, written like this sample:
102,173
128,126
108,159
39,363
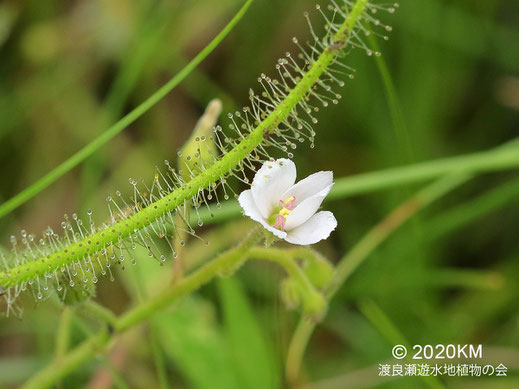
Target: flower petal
246,201
309,186
317,228
270,182
306,209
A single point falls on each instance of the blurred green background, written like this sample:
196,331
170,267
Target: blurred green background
68,69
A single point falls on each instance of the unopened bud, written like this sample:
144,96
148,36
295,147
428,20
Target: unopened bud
200,150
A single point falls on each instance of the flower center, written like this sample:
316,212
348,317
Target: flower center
287,206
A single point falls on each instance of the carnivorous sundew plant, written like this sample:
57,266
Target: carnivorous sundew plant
163,252
280,116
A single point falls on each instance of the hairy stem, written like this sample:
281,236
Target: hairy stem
354,258
122,229
501,158
286,259
99,342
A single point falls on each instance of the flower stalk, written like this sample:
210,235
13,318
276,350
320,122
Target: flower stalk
94,243
99,342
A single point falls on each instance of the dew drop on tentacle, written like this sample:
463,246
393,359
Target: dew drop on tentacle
296,127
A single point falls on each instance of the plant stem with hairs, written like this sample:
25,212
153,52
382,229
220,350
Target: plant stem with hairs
94,243
99,342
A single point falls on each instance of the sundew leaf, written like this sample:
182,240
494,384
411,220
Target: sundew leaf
252,355
276,118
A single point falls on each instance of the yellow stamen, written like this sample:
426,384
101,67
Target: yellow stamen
286,211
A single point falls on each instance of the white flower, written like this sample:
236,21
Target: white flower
288,210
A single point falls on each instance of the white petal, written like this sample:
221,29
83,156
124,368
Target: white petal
249,207
310,186
270,182
306,209
318,227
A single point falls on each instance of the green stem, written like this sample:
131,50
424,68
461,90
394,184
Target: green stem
503,157
102,313
120,125
188,284
350,262
356,256
311,300
97,343
63,334
70,362
285,258
120,230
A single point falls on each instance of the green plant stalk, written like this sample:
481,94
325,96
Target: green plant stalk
356,256
503,157
63,333
70,362
123,123
185,285
286,258
500,158
233,158
99,342
100,312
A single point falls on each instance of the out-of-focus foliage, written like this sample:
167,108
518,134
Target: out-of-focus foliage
70,68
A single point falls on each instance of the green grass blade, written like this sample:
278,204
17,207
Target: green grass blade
253,360
458,216
123,123
194,343
504,157
393,102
